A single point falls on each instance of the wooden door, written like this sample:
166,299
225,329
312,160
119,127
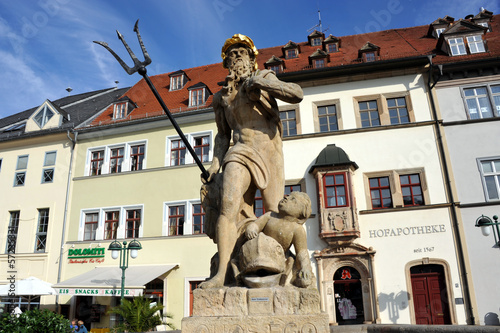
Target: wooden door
430,299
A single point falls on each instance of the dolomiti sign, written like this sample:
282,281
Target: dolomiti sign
86,255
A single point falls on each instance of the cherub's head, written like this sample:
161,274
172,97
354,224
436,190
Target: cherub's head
297,204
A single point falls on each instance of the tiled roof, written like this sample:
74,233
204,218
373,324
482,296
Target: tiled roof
394,44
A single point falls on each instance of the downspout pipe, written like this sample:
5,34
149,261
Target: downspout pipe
65,217
458,236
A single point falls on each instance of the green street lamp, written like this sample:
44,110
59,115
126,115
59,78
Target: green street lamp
486,224
123,251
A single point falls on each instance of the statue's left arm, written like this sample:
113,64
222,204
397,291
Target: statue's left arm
266,80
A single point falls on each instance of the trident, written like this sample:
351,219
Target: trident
140,67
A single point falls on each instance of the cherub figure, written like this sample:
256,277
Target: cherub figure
286,227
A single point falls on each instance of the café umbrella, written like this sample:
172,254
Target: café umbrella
28,288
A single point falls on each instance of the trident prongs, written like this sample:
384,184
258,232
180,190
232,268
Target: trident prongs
137,64
140,67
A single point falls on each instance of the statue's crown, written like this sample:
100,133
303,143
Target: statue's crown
238,39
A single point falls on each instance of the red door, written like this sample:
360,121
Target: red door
430,299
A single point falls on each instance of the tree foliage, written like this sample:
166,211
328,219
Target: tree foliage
34,321
139,315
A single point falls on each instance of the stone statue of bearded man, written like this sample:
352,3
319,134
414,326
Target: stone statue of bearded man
246,112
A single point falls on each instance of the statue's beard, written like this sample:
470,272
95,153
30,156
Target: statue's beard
240,70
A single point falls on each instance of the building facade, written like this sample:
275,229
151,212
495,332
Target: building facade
381,143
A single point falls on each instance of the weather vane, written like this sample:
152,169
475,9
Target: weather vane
140,67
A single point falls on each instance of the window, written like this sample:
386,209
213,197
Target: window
198,219
292,188
457,46
177,152
176,220
482,102
91,224
384,109
120,111
380,193
411,190
96,161
316,41
41,231
398,113
111,224
335,189
22,165
116,160
319,63
490,172
137,157
327,118
368,112
49,161
176,82
132,223
476,44
258,206
331,48
276,68
396,189
12,232
202,147
288,122
43,116
291,54
439,31
197,97
369,56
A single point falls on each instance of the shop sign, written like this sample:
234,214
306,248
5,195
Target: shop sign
97,292
407,231
86,255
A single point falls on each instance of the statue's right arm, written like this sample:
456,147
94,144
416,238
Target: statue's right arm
222,138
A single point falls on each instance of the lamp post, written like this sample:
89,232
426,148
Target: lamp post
123,251
486,224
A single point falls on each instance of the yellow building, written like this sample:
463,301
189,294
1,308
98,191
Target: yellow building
36,152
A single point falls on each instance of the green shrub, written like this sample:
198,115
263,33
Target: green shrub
34,321
139,316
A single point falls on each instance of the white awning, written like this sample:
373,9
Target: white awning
101,280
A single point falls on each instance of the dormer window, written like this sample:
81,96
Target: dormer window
316,41
483,19
318,59
476,44
316,38
461,38
331,48
369,52
178,80
291,50
275,64
198,94
290,54
331,44
369,56
438,31
120,111
43,116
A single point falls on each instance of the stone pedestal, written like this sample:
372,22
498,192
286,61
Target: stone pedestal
261,310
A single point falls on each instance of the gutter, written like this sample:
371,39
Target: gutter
453,206
65,217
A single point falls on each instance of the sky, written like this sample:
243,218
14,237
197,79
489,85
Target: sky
46,45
